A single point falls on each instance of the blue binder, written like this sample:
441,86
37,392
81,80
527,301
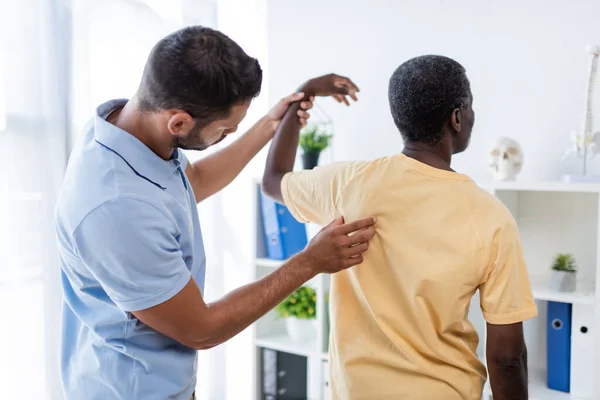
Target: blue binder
559,346
284,236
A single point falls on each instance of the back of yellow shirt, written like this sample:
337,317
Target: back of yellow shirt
399,320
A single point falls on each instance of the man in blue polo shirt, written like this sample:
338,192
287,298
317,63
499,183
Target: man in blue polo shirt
128,232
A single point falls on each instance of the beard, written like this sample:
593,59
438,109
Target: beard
193,141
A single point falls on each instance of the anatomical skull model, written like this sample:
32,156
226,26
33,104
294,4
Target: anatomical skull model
506,159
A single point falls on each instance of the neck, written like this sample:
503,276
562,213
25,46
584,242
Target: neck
143,126
434,156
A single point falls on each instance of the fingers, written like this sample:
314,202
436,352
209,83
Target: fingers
292,98
349,84
352,261
361,236
341,99
352,94
306,105
357,250
348,88
303,114
356,225
336,222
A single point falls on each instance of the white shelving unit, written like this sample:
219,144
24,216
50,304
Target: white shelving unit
270,331
556,217
553,217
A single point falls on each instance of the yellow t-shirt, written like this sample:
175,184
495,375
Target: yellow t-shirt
399,321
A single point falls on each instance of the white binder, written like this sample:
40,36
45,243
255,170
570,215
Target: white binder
582,352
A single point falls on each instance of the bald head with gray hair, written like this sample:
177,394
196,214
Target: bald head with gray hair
423,92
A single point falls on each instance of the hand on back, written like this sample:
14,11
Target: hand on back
339,246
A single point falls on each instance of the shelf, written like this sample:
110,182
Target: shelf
537,388
557,186
284,343
585,294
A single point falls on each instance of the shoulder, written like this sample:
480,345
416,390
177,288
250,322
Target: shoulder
97,179
124,216
490,212
341,172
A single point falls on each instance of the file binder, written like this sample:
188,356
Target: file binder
284,236
285,376
559,346
583,351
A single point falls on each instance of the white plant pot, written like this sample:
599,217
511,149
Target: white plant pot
301,330
563,281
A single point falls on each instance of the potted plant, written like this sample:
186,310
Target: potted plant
313,141
564,273
300,313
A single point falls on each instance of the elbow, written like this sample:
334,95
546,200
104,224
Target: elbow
204,346
508,360
271,186
202,343
202,339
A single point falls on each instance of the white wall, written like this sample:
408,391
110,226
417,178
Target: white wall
525,59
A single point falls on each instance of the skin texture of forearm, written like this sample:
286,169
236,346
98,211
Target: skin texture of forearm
509,379
282,153
240,308
213,173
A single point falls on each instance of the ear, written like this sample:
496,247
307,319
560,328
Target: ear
180,122
456,120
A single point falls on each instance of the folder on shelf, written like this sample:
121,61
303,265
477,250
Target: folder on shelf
559,346
284,376
284,236
583,351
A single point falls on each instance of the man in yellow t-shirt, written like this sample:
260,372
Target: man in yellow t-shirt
399,323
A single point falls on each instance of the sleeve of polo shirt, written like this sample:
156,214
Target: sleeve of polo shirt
131,248
312,195
505,294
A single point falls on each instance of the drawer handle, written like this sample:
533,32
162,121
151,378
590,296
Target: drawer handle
281,374
282,391
584,329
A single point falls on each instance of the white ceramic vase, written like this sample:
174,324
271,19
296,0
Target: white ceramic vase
563,281
300,330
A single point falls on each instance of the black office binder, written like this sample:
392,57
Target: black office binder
284,376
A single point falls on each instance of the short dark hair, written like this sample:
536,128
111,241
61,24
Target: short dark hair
423,91
201,71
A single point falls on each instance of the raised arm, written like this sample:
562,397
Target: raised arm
282,153
212,173
507,361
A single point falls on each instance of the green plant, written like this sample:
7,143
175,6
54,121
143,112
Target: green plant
313,139
564,262
300,304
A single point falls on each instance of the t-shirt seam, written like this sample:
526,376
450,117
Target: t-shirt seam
520,311
287,198
457,177
480,244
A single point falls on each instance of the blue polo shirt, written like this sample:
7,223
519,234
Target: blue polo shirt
129,238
